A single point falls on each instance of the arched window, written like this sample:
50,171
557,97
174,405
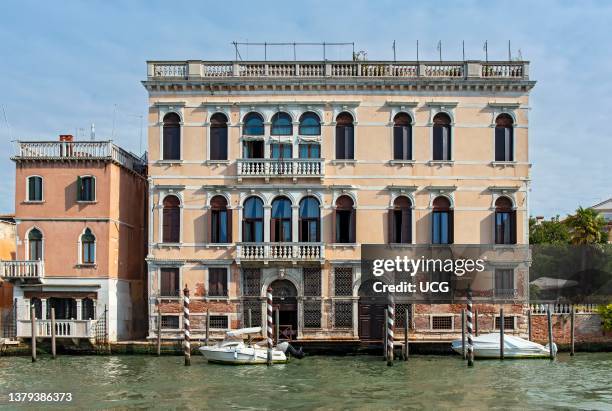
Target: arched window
88,311
281,125
505,221
310,220
310,124
504,138
171,227
35,244
37,304
88,247
400,221
345,144
252,220
280,222
441,137
442,221
35,188
345,220
172,137
253,125
220,221
218,137
402,137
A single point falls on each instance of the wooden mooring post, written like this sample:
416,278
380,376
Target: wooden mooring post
158,332
207,324
406,335
269,324
550,333
186,327
53,347
33,324
250,319
501,333
572,324
463,351
529,324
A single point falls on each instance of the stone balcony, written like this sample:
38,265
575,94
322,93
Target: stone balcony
63,328
293,252
25,270
198,69
293,168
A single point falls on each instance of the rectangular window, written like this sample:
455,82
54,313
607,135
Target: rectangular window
441,322
169,282
219,322
442,227
441,144
253,149
505,227
344,143
504,283
86,188
312,281
279,151
309,151
251,278
217,282
343,314
503,144
508,323
312,314
402,143
343,281
345,226
219,227
218,143
170,322
35,188
401,229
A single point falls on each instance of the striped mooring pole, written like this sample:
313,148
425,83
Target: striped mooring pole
186,335
470,344
390,329
270,330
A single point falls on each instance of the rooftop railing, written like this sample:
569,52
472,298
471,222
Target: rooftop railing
195,69
77,150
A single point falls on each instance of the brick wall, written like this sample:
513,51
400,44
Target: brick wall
587,329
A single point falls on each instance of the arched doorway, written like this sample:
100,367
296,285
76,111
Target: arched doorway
284,299
371,311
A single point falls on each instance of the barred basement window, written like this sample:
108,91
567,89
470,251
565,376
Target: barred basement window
508,323
343,314
170,322
251,281
255,307
219,321
439,322
312,281
343,281
400,315
312,314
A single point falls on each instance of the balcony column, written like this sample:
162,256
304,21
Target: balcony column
43,304
266,224
79,304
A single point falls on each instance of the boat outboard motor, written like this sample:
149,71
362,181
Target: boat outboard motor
286,347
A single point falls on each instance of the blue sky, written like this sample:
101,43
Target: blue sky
65,65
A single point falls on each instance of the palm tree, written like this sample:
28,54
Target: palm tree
587,227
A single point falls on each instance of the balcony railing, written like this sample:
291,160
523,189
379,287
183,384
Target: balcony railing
63,328
77,150
562,308
281,251
22,270
291,167
194,69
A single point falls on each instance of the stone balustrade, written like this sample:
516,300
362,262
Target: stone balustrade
280,251
22,270
290,167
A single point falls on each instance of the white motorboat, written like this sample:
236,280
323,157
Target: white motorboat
487,346
233,350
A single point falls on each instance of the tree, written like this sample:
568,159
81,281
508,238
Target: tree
586,227
548,232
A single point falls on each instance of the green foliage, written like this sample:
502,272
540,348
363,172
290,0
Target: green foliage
606,316
548,232
586,227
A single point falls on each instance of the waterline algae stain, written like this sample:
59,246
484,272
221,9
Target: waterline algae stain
352,382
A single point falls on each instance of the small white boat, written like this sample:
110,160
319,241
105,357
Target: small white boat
487,346
233,350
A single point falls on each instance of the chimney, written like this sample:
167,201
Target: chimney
65,137
539,219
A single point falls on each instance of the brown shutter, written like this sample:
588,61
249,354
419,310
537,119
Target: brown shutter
229,224
451,227
334,228
406,226
390,225
353,226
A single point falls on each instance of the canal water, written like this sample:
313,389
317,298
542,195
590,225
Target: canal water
321,383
